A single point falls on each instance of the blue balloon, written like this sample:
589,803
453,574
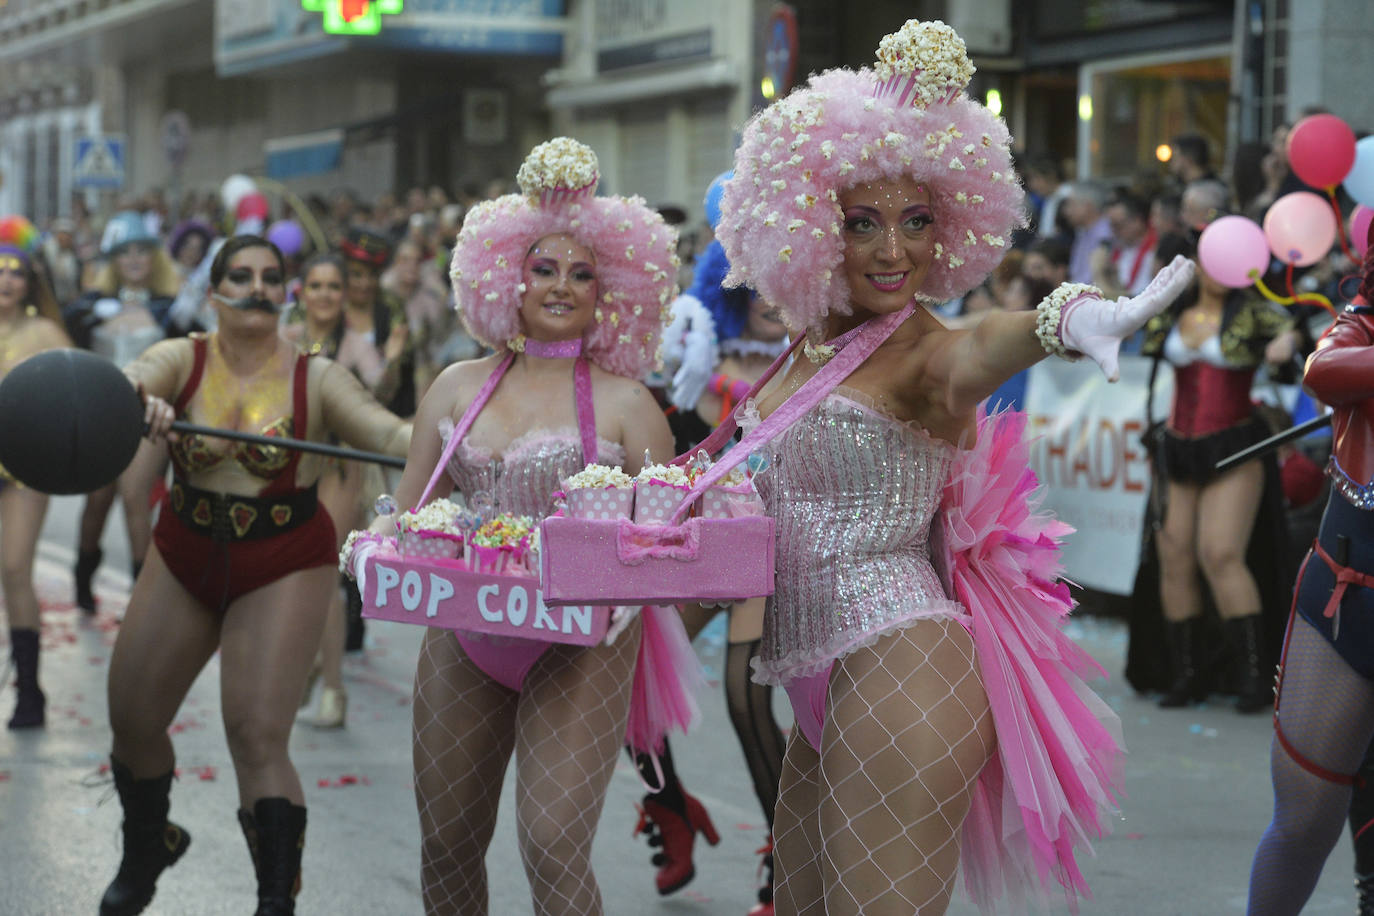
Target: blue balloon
1359,184
714,191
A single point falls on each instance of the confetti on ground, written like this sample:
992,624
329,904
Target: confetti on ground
347,779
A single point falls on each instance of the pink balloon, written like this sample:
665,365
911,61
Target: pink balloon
1300,227
1321,150
1359,228
1231,248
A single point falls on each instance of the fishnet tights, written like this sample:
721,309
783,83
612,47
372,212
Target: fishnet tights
1326,711
565,729
871,824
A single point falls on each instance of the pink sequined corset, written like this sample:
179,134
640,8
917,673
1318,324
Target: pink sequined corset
852,492
523,480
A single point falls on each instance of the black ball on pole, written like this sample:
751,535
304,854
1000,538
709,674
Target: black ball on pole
70,421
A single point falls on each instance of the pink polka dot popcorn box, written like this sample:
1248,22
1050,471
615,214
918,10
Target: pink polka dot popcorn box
598,491
433,545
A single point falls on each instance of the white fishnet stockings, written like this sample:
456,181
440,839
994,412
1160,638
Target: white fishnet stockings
1326,710
565,728
871,824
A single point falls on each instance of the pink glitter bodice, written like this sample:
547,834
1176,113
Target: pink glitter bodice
852,492
523,479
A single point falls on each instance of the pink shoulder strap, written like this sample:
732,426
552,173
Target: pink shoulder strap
869,337
586,417
586,410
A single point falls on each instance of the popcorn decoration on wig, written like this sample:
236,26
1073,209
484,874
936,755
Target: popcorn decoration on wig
634,249
782,227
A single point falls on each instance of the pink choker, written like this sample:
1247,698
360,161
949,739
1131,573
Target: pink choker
553,349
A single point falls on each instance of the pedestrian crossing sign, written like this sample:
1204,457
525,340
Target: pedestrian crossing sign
98,162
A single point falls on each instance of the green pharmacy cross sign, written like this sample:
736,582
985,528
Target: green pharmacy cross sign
352,17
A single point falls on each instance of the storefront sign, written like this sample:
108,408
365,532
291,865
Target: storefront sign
639,33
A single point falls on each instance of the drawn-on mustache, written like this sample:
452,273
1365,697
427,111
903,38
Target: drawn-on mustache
247,303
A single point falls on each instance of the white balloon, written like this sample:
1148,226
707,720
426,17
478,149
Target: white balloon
1359,184
233,190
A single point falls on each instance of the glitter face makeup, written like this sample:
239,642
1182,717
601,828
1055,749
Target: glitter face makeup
888,242
559,299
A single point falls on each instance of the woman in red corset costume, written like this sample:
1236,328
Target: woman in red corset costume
1324,712
242,563
1214,338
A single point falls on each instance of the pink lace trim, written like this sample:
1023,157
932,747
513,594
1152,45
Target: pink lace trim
806,662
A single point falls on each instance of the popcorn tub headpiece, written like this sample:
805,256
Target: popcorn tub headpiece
782,227
635,252
559,172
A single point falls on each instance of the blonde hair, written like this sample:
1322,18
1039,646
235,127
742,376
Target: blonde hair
163,279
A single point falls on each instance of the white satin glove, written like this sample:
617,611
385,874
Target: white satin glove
1096,327
691,378
621,617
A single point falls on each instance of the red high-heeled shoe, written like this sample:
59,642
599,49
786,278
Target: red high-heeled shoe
765,904
674,836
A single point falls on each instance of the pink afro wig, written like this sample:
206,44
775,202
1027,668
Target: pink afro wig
636,271
782,225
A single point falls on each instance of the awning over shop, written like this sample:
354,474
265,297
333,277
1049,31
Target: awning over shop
304,154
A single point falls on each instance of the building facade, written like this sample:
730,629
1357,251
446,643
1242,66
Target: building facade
107,97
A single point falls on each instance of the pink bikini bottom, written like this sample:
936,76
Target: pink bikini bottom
808,695
504,660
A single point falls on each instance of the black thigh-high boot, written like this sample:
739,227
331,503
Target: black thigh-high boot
1362,833
1185,651
276,836
87,562
1255,687
28,711
151,842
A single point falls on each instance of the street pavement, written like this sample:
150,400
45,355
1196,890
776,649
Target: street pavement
1197,784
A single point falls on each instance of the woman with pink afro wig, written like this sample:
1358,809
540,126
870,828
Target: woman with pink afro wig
569,289
941,713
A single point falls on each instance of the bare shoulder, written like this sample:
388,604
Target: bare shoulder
49,335
619,389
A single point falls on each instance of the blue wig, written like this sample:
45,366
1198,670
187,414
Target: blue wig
729,308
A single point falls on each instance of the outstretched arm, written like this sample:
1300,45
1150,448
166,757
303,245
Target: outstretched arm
1072,320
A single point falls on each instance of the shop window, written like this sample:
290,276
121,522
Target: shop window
1129,110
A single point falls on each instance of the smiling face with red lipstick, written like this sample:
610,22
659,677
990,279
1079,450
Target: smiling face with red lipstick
889,242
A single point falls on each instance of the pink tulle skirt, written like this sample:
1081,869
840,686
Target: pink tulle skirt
1057,773
667,679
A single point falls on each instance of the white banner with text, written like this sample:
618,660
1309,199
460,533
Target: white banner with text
1094,473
